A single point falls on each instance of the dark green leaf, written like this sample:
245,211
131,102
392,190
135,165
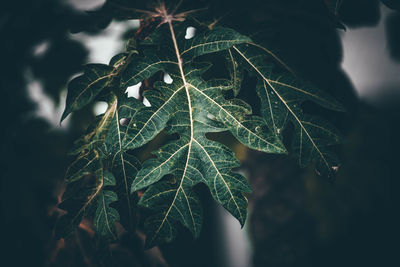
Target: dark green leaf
85,164
77,199
105,216
83,89
281,99
191,107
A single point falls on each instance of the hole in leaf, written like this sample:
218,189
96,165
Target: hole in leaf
167,78
146,102
99,108
190,32
133,91
124,121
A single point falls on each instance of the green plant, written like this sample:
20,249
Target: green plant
103,179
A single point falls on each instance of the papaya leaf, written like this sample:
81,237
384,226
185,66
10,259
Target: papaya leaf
105,216
88,195
85,164
123,165
235,72
190,107
83,89
77,199
125,168
281,99
96,134
95,153
104,179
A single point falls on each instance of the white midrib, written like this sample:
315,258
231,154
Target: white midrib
124,171
205,44
234,66
297,89
91,197
86,165
222,178
152,116
110,113
178,56
284,102
273,55
233,117
90,85
158,167
146,68
270,107
106,217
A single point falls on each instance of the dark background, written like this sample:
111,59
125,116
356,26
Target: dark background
296,218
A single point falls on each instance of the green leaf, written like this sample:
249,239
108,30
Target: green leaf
105,216
205,42
105,177
88,163
83,89
143,67
191,107
235,71
96,134
79,196
89,194
123,165
281,99
186,206
126,108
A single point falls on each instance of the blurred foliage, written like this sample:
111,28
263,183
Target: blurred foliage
393,35
33,154
33,151
299,220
